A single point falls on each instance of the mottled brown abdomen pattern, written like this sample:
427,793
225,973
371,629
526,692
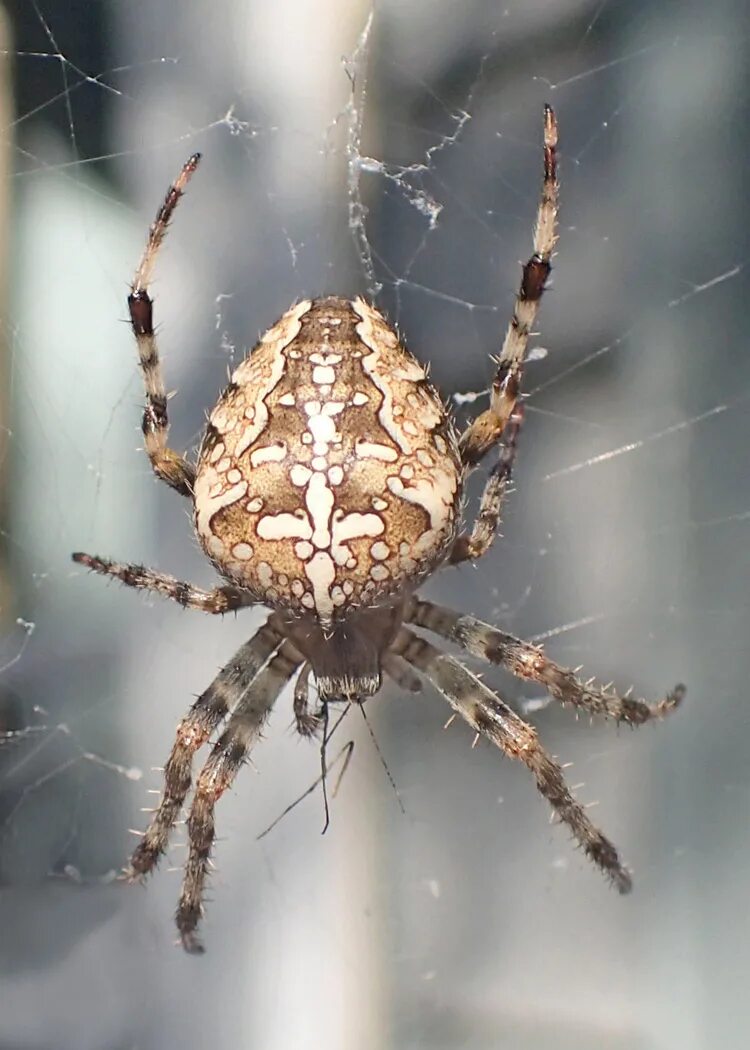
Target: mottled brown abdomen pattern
329,477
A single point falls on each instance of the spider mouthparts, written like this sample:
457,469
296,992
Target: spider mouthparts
351,689
347,666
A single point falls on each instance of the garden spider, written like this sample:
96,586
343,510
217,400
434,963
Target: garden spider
328,486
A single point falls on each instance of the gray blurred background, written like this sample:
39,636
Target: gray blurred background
467,922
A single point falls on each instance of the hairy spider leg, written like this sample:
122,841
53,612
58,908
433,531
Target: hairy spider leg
488,715
228,754
502,420
218,601
168,465
529,662
204,717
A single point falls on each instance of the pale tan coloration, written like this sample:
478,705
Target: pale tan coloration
328,486
332,459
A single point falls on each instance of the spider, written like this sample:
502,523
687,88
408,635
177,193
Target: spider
328,486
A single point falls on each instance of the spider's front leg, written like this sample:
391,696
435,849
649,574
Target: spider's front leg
167,464
531,663
204,717
502,420
226,759
494,720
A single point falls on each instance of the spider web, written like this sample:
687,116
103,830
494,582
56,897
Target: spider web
408,169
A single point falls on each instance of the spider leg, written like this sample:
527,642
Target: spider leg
529,662
399,672
487,429
204,717
218,601
308,722
223,764
488,715
471,546
168,465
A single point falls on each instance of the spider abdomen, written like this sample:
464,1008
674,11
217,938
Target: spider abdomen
329,476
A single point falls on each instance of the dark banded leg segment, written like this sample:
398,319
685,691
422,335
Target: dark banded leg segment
168,465
228,755
469,546
494,720
218,601
400,673
530,662
487,429
204,717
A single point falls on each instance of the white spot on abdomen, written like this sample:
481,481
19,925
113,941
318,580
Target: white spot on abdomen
284,526
374,450
319,500
323,374
321,572
268,454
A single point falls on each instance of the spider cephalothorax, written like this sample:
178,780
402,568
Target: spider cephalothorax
328,487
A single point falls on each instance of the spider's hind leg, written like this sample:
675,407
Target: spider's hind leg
469,546
167,464
488,428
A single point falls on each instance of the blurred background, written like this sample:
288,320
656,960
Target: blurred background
398,157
